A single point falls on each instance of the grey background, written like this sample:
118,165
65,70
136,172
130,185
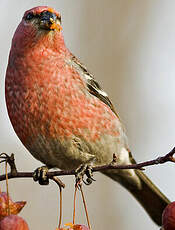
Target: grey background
129,46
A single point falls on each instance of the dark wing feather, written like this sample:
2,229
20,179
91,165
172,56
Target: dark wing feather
92,85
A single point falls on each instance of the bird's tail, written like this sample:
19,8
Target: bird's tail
148,195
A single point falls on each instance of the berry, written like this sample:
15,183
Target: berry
168,217
13,222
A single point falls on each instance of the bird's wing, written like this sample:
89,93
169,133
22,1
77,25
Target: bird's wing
92,85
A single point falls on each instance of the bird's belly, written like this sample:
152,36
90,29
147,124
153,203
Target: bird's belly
69,137
69,153
61,125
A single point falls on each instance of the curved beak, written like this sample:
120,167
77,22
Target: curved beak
49,21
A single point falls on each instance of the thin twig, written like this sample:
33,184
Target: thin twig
75,195
7,188
85,206
61,208
58,181
160,160
10,160
61,185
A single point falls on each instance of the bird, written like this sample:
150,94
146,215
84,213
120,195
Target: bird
60,112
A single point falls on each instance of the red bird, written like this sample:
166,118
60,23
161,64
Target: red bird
59,111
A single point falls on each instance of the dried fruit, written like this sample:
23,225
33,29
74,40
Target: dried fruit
168,217
13,222
15,207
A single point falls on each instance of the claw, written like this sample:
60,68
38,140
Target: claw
84,170
88,181
79,174
40,175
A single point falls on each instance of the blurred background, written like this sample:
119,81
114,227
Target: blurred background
129,46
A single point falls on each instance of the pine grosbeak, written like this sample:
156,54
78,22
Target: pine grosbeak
59,111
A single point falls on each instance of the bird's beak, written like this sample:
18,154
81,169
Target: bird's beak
49,22
55,25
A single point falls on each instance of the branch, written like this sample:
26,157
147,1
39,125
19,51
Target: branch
113,165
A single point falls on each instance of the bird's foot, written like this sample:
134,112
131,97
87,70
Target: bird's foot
40,175
84,170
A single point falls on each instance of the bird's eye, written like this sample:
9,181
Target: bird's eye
29,16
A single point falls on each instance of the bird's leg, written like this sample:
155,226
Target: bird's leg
82,170
40,175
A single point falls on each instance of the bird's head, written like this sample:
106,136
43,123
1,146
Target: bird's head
40,26
44,18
